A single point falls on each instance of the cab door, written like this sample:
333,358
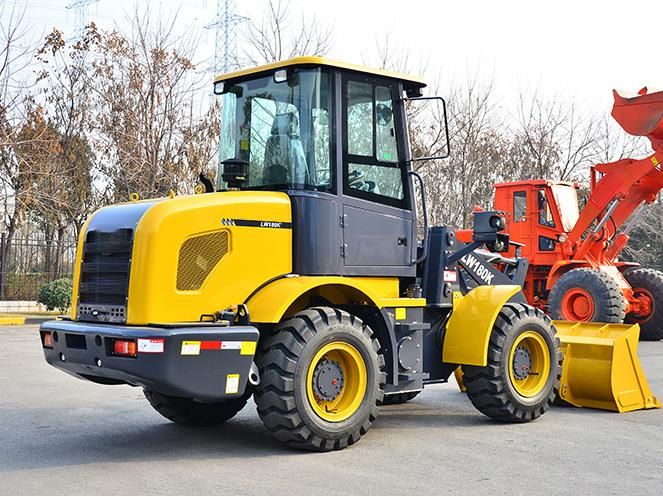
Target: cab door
548,227
378,226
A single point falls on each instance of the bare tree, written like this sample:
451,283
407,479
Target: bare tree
277,36
17,109
552,139
66,197
147,108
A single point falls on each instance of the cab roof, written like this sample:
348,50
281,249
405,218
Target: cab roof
536,183
409,81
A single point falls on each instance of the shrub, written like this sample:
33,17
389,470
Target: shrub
56,295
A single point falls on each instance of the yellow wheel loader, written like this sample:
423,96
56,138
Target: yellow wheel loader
299,278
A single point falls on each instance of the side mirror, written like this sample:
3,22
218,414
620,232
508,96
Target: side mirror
445,123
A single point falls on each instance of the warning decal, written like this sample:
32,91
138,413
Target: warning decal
232,383
150,345
190,348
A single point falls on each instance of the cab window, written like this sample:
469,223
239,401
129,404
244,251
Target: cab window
281,129
545,214
519,207
372,169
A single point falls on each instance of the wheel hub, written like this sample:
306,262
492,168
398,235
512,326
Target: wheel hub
328,380
522,363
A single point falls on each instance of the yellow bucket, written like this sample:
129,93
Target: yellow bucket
601,368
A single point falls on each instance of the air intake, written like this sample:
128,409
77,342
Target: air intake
198,256
104,281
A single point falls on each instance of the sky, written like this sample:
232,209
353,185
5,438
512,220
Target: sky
576,50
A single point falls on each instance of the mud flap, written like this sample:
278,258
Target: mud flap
601,368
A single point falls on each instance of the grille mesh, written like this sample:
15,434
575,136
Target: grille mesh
105,267
198,256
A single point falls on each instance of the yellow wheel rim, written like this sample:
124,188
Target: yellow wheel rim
348,361
529,364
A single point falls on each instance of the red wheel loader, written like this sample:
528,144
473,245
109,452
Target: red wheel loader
575,272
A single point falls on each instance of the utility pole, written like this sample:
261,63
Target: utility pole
225,24
80,8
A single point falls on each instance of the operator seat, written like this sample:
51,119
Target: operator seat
285,161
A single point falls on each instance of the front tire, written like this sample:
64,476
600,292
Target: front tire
521,379
648,284
190,412
585,295
320,380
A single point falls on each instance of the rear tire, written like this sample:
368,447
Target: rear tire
320,380
522,377
586,295
190,412
399,398
650,282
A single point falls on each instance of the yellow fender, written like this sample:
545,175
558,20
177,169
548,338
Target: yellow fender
270,303
601,368
471,323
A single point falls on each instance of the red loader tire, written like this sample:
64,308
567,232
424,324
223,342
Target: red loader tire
587,295
648,283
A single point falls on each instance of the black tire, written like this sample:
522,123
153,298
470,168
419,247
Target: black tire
284,359
609,304
399,398
490,388
189,412
650,281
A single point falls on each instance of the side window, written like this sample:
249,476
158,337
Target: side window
321,140
547,244
545,214
372,168
385,134
379,180
360,119
519,206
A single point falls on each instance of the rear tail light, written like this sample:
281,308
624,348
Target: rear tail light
47,339
125,348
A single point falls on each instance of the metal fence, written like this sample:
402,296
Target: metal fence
27,263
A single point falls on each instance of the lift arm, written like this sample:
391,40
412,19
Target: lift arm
619,188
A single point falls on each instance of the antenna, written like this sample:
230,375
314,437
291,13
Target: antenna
225,48
80,8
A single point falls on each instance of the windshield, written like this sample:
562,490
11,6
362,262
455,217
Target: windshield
281,129
567,200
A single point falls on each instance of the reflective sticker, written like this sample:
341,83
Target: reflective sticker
248,348
401,313
232,383
450,276
244,145
210,345
190,348
231,345
150,345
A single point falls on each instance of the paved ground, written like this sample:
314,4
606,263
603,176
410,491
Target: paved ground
62,435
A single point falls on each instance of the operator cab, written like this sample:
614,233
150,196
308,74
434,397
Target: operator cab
333,137
541,214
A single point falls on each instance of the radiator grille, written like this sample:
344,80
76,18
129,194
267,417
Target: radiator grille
104,278
198,256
